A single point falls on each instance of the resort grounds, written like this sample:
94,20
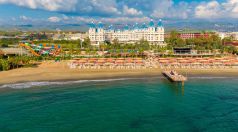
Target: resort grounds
109,68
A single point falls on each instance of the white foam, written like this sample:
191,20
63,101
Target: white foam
201,77
46,83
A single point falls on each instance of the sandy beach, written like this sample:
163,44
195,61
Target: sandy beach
51,71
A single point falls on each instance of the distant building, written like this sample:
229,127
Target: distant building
193,35
153,33
7,37
233,43
58,36
13,51
223,35
76,36
70,36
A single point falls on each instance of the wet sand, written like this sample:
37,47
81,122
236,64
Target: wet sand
50,71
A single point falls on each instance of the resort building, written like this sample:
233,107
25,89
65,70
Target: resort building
70,36
75,36
233,43
233,35
193,35
153,33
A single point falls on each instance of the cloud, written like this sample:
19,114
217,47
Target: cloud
116,20
105,8
131,11
216,10
169,10
208,10
50,5
54,19
69,6
127,10
24,18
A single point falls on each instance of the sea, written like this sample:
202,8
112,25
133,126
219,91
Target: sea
143,104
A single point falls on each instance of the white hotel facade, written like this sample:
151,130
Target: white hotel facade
153,33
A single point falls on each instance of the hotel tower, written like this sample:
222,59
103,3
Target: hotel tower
153,33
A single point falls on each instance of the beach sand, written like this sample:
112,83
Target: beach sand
51,71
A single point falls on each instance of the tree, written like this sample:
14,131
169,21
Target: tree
174,40
144,45
4,65
103,46
115,41
87,43
79,44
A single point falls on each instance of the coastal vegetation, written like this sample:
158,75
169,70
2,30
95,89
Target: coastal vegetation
213,42
16,62
79,48
10,33
5,42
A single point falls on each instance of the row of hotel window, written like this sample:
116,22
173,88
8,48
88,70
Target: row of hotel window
126,38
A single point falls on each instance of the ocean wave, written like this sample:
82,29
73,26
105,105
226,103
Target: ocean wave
210,77
47,83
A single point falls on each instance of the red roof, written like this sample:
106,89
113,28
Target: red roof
234,43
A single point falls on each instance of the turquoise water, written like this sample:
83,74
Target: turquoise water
133,105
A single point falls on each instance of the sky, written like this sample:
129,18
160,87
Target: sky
114,11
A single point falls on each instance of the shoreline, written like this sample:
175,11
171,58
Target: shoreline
51,72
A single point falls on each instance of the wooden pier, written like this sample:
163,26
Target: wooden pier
174,76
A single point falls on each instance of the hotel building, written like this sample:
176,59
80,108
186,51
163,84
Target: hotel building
193,35
153,33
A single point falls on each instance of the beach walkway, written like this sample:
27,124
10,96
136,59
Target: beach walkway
174,76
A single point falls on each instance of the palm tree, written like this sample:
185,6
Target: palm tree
103,46
4,65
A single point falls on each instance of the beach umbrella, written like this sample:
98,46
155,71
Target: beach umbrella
180,59
218,58
172,60
101,61
207,62
199,58
163,58
83,61
138,60
129,60
110,59
92,61
228,63
236,63
120,58
183,61
108,63
175,63
89,64
163,61
196,63
225,60
217,63
93,58
203,60
119,62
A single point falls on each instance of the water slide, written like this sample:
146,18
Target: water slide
29,48
41,50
